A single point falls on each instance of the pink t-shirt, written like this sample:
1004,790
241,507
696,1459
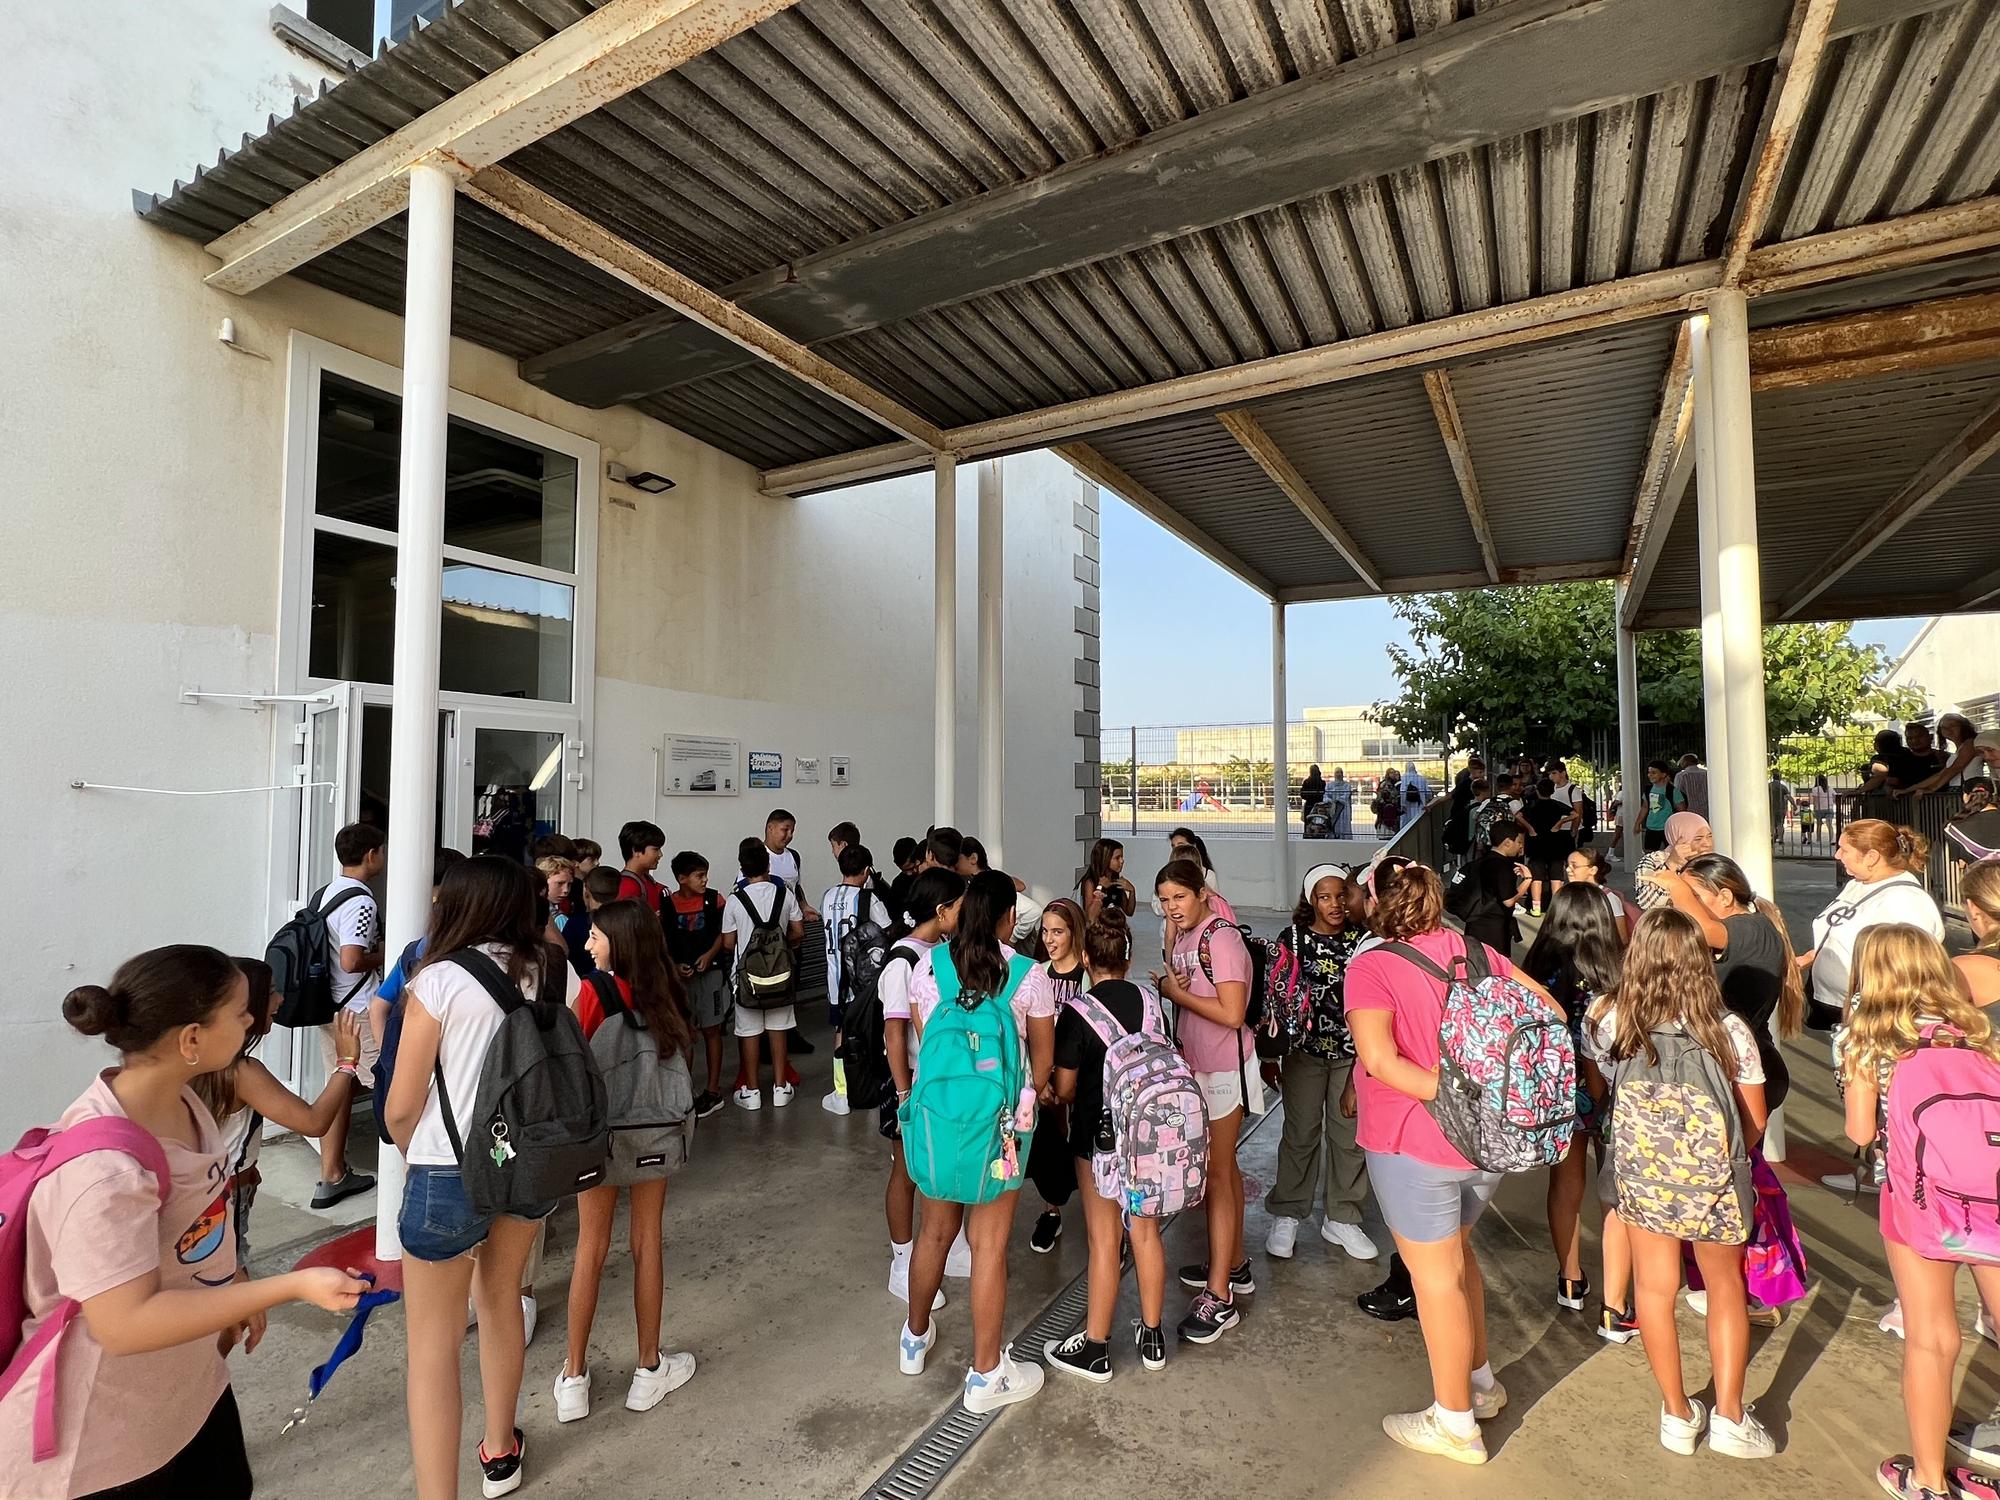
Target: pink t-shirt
1388,1120
1028,1001
1210,1048
94,1224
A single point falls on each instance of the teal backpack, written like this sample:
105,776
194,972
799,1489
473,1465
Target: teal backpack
960,1141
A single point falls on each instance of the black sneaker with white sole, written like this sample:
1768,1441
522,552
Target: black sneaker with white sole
1080,1355
1048,1229
1617,1325
1241,1281
708,1102
1152,1344
502,1475
1572,1294
1208,1318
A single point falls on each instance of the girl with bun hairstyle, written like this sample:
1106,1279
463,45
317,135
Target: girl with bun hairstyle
142,1399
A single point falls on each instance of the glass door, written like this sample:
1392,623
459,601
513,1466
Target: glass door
515,781
328,801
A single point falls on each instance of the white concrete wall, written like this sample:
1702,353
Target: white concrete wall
146,479
1951,661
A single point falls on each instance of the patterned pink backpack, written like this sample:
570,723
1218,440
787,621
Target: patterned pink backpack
1156,1161
1944,1149
40,1153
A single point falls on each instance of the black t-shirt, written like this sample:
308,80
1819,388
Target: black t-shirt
1751,971
1904,765
1542,816
1078,1047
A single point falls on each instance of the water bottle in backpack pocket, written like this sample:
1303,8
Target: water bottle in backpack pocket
1944,1149
1679,1160
961,1141
1156,1160
649,1096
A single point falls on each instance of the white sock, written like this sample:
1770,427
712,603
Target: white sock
901,1252
1482,1378
1460,1424
994,1373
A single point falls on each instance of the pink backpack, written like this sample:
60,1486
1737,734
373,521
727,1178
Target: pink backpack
1944,1149
40,1153
1156,1160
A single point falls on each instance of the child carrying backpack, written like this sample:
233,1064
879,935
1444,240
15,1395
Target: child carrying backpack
761,927
1687,1104
1920,1064
1138,1133
633,1018
117,1260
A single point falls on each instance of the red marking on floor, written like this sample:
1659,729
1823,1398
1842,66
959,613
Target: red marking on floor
355,1250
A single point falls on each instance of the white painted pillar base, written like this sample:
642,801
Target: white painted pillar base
1281,776
992,619
413,733
944,641
1714,692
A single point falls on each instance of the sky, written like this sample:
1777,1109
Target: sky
1156,671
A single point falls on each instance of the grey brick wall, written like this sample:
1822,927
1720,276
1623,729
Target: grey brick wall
1089,820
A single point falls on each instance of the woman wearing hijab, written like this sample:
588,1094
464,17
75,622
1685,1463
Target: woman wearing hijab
1688,837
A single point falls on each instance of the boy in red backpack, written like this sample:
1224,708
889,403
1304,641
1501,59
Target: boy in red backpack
122,1216
1921,1069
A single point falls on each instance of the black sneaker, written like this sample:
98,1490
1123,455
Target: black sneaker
1081,1355
707,1103
1394,1300
503,1474
1241,1281
352,1182
1572,1294
1208,1318
1617,1325
1048,1229
1152,1344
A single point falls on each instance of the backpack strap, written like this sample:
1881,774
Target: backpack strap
350,894
613,1003
760,923
1201,949
505,994
1092,1012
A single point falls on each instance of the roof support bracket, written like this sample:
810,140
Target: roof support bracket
1094,465
1256,442
1444,405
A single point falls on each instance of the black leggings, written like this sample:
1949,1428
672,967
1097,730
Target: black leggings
213,1465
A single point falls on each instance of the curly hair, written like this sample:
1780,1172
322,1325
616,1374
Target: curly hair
1899,973
1411,904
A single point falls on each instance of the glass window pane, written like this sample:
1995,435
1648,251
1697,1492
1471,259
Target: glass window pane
516,789
503,635
502,496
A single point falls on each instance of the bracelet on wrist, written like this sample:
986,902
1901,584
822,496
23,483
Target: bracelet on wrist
349,1066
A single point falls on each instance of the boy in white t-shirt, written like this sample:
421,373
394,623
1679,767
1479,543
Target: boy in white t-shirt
788,868
354,938
762,894
844,906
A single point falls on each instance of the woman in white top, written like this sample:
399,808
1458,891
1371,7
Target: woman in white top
448,1019
1884,864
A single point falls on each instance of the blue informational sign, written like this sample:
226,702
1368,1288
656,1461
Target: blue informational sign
767,770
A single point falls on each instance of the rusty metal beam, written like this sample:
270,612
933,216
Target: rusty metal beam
1095,466
1971,448
1798,64
611,51
1838,254
1444,406
1919,335
1261,447
561,225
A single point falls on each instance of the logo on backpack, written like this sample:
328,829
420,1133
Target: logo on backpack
649,1097
964,1140
1157,1161
1944,1149
301,955
1678,1154
766,971
1506,1095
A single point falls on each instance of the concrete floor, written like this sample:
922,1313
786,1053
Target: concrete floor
776,1267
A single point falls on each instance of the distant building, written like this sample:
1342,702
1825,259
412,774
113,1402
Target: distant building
1954,661
1329,737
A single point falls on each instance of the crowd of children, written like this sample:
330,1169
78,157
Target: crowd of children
558,1030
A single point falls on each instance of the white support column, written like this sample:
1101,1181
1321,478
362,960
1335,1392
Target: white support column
1740,591
944,641
1714,695
1631,766
413,733
1281,777
992,706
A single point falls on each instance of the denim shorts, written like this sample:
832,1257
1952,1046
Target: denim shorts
437,1221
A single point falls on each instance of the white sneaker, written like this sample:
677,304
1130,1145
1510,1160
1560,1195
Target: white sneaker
572,1396
1892,1320
899,1282
912,1350
1680,1437
1849,1182
1744,1439
781,1095
1349,1237
834,1103
1760,1315
528,1317
651,1387
1003,1386
1489,1403
958,1260
1283,1238
1422,1432
749,1099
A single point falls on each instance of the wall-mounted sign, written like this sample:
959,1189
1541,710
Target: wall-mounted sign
767,770
805,770
837,769
695,765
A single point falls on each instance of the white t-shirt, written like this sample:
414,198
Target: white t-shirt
762,894
1858,907
468,1019
1599,1033
894,986
837,908
358,924
785,867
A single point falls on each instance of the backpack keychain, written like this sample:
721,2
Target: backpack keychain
1007,1166
503,1149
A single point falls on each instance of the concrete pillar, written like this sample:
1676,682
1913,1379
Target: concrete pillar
1740,592
944,641
1281,778
1631,764
413,733
1714,694
992,706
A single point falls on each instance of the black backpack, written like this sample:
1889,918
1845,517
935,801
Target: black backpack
301,957
863,1037
864,947
540,1123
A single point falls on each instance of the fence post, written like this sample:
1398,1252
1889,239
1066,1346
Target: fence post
1135,781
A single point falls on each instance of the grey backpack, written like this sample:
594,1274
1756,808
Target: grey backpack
649,1095
538,1125
765,972
1679,1161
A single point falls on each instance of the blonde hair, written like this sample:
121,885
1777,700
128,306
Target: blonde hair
1981,887
1899,973
1669,979
555,864
1904,848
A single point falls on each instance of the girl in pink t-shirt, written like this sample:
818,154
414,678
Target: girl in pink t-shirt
142,1400
1208,980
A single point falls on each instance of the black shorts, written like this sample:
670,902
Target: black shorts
213,1465
1655,839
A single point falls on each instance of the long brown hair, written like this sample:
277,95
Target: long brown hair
490,900
218,1090
639,957
1669,978
1718,872
1901,972
1072,918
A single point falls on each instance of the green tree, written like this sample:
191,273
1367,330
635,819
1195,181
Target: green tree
1536,668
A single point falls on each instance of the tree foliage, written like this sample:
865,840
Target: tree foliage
1535,669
